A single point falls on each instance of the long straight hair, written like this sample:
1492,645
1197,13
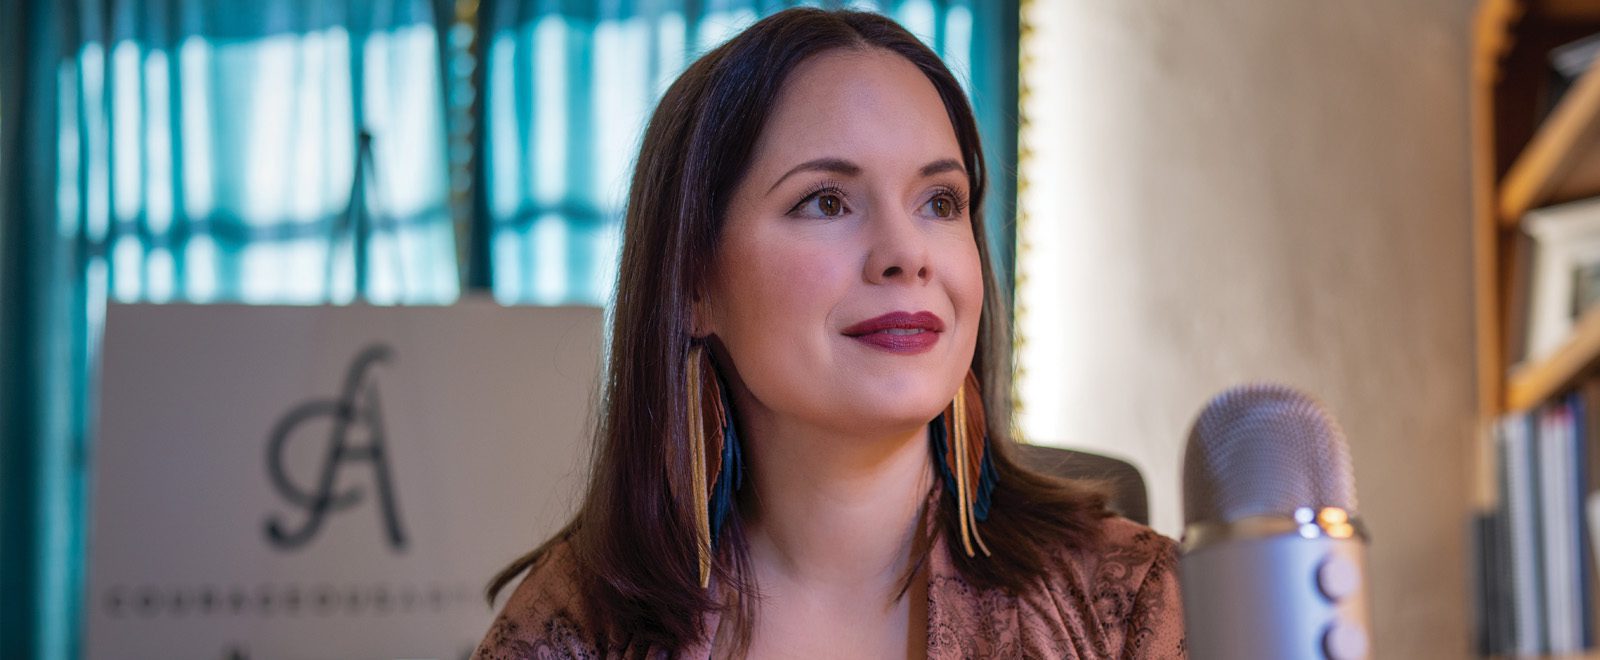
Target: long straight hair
633,539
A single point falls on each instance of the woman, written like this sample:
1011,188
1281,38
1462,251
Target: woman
803,444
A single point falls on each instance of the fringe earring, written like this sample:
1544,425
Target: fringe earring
716,465
960,441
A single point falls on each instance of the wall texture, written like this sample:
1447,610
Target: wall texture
1237,190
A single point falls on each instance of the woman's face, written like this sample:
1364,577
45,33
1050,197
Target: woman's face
848,286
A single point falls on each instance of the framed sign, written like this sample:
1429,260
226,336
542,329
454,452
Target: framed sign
327,482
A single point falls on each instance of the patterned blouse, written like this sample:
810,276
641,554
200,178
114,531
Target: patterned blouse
1119,602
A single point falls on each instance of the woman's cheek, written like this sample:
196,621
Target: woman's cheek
809,280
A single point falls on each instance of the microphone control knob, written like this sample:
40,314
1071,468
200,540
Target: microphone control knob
1338,577
1344,641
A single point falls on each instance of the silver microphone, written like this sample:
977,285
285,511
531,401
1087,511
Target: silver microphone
1274,557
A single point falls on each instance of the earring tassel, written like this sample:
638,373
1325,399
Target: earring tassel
959,439
968,429
722,451
697,462
977,463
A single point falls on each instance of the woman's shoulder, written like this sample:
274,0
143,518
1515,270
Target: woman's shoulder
1129,554
545,616
1124,590
1114,598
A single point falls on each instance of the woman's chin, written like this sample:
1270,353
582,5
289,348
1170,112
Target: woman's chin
867,415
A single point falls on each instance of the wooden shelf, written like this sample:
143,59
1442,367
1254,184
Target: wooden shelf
1562,161
1570,10
1531,384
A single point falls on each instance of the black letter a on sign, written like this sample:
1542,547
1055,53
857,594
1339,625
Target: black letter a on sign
356,407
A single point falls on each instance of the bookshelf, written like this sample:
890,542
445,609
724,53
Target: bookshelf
1521,163
1526,154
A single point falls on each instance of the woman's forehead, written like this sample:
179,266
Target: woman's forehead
869,106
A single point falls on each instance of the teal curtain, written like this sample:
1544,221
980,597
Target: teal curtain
190,151
569,86
40,407
209,151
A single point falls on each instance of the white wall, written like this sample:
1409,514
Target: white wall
1235,190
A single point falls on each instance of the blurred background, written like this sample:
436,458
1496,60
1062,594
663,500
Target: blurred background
1186,196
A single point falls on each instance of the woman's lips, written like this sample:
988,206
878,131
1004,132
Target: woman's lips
911,344
899,332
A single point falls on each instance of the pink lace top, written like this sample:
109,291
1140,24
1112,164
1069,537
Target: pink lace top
1119,602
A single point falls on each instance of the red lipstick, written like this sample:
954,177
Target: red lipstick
899,332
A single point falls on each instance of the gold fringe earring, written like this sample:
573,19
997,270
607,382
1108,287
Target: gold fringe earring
697,463
715,460
967,462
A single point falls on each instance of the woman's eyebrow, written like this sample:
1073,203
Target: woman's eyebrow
844,167
942,166
838,166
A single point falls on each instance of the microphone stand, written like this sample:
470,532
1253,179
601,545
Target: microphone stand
357,223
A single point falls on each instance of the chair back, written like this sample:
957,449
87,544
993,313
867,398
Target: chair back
1128,495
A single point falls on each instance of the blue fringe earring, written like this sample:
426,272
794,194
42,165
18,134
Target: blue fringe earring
714,453
960,439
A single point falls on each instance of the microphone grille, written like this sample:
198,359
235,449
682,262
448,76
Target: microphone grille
1265,449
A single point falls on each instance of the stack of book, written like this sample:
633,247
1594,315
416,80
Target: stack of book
1537,585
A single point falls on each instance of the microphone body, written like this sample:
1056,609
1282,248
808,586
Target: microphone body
1264,598
1274,561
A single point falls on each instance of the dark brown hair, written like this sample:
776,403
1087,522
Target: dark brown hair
633,540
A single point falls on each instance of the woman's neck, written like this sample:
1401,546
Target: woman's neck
831,514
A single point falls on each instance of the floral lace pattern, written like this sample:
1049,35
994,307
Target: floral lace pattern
556,637
1121,601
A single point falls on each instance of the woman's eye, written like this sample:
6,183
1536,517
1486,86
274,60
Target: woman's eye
830,205
943,206
823,205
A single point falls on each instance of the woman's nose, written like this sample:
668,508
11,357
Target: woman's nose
898,249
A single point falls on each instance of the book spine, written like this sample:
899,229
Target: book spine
1590,533
1582,410
1572,507
1527,623
1547,474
